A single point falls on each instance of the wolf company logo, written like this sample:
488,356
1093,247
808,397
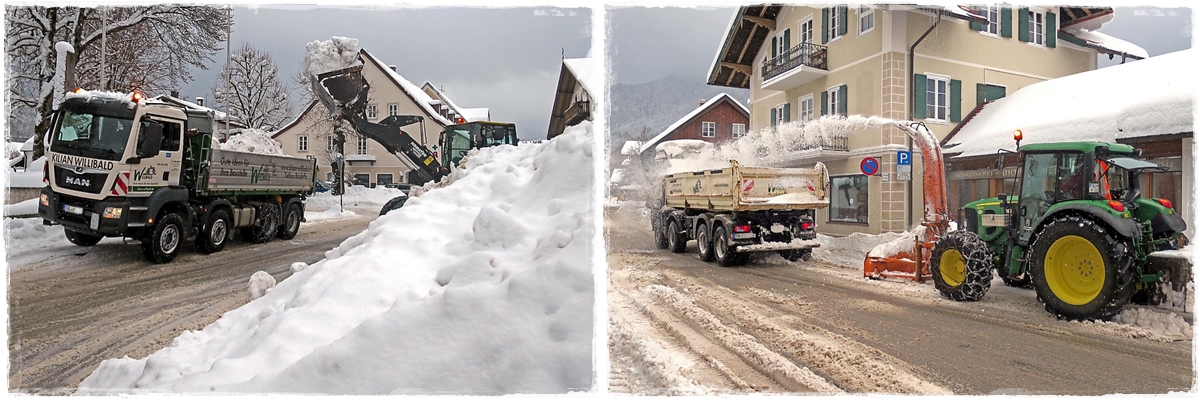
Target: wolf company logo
259,174
696,189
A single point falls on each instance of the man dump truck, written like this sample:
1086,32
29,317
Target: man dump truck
1078,230
125,166
734,211
345,93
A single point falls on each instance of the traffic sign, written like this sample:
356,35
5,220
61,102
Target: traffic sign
869,166
904,176
904,168
903,158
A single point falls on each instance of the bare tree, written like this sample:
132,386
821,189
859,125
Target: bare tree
150,48
250,89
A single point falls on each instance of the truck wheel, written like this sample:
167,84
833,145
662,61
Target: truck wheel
961,266
704,243
81,239
291,222
660,238
721,250
266,232
392,204
797,254
162,244
215,233
675,239
1080,270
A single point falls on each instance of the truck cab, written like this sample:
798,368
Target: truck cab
457,140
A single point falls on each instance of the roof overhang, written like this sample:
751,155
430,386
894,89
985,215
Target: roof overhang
748,30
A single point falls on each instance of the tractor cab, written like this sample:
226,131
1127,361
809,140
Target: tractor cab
457,140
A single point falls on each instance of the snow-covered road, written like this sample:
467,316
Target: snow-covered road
682,326
72,307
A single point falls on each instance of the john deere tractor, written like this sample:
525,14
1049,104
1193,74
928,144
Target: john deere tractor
1079,231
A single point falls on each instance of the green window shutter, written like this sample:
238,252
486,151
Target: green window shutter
955,100
773,116
1051,30
842,100
787,112
1006,22
975,25
985,92
1023,24
919,96
787,38
824,103
774,47
842,19
824,25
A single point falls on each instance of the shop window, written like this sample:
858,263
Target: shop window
848,199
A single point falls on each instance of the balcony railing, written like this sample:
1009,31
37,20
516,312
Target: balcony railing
577,112
836,141
812,55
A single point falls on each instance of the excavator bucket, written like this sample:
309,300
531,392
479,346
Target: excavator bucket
344,88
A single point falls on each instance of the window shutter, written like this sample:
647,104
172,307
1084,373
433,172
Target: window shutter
1051,30
824,103
975,25
787,112
773,117
842,100
919,96
787,38
1006,22
774,47
955,100
1023,24
824,25
842,19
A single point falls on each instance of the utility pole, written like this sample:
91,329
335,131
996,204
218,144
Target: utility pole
103,48
228,70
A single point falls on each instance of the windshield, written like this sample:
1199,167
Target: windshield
459,145
92,135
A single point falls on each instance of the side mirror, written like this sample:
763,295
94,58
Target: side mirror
151,139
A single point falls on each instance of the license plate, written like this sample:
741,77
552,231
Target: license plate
73,209
743,235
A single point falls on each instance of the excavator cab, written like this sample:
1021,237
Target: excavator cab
457,140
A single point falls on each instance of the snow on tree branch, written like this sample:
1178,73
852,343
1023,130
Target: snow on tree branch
251,91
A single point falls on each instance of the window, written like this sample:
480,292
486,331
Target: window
362,145
1036,27
835,101
172,136
708,129
806,108
372,111
866,19
806,30
832,29
393,109
739,130
848,201
383,179
329,176
332,144
302,142
992,12
936,104
781,42
362,179
779,114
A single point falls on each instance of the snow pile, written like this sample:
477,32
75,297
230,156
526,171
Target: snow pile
261,283
480,287
850,251
27,207
333,212
905,243
297,267
1156,320
330,55
254,141
357,196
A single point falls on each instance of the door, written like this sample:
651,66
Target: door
164,168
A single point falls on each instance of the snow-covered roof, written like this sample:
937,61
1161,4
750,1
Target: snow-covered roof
1149,97
219,115
631,147
708,104
29,143
470,114
1108,44
419,96
584,72
476,114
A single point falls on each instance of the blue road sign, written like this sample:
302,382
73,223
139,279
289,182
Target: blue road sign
869,166
903,158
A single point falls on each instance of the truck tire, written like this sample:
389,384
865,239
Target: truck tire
721,251
81,239
704,243
265,232
656,225
675,239
797,254
162,243
291,222
1080,270
393,204
961,266
215,234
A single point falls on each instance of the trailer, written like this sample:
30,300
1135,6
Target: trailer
737,210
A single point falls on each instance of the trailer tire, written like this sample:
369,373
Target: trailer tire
961,266
291,222
393,204
215,234
721,251
656,225
675,239
162,243
82,239
265,232
796,254
704,243
1081,270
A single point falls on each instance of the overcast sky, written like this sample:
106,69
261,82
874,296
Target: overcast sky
503,59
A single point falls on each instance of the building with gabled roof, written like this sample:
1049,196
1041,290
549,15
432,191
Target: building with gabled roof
452,111
574,94
717,120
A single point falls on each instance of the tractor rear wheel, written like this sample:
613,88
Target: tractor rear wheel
961,266
1081,271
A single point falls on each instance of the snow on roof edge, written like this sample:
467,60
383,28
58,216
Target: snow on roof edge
1109,42
714,66
711,102
582,69
419,96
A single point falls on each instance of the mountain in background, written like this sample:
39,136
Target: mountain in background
641,111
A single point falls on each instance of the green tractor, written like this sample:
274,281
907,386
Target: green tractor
1078,231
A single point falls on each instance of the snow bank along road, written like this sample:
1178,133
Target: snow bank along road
682,326
77,306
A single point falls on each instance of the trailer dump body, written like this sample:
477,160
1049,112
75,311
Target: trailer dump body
739,188
235,171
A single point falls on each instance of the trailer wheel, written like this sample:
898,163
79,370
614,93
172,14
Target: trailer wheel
215,233
721,250
675,239
162,244
81,239
704,243
961,266
1080,270
797,254
270,223
392,204
291,222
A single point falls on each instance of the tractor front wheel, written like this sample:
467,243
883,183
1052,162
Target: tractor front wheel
961,266
1080,270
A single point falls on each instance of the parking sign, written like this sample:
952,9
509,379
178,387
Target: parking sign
903,158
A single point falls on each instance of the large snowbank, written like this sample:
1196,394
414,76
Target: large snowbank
254,141
31,177
330,55
27,207
480,287
357,196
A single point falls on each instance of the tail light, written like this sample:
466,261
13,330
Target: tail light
741,229
1165,203
806,225
1116,206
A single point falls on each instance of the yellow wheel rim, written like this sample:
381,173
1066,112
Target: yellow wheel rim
953,267
1074,270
